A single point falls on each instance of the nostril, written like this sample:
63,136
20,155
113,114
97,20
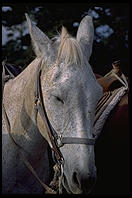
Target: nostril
76,179
88,184
91,181
84,182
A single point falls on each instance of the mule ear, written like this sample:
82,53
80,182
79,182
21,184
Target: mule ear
41,43
85,35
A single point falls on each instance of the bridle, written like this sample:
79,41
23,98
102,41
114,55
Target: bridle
59,140
56,140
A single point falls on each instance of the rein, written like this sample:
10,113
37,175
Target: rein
58,141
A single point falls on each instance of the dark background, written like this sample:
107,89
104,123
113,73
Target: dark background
49,17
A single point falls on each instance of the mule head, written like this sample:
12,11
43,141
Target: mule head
70,93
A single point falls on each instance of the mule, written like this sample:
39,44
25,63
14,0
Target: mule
70,92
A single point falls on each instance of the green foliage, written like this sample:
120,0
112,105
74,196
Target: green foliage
50,18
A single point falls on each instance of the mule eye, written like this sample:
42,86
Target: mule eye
60,100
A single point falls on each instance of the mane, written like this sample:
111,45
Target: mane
69,50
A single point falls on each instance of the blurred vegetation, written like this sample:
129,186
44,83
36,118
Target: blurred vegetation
49,17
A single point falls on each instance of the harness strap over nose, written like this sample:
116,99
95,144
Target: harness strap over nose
74,140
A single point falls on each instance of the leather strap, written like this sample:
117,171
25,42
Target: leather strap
39,105
43,115
75,140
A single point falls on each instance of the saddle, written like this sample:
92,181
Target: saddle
111,96
111,80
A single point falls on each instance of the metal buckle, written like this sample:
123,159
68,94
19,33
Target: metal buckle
59,141
37,101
